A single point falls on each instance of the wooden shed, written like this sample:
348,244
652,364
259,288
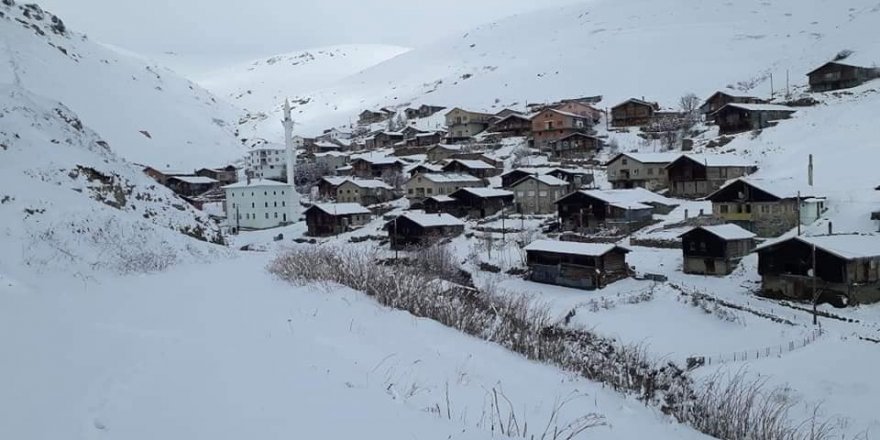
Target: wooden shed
836,75
842,266
633,113
323,219
574,264
413,229
716,249
481,202
735,118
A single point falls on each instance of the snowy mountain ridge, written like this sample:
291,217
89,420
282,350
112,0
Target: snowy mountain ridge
617,49
261,85
149,114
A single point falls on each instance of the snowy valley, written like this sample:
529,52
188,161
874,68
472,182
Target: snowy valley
540,229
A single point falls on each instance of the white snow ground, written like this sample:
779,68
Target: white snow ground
224,351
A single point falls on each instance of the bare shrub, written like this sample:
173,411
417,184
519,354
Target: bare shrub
737,409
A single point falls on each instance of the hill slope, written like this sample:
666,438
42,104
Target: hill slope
149,115
261,85
69,204
618,49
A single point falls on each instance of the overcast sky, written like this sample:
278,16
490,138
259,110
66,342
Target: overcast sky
206,34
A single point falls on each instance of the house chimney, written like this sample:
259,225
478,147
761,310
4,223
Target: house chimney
810,172
701,212
685,214
830,228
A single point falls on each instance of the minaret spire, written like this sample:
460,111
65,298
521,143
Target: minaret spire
287,122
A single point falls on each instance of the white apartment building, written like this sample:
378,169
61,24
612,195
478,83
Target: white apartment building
259,204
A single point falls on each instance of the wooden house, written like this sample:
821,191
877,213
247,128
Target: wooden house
428,139
840,266
376,167
480,202
508,178
552,125
442,152
372,117
716,249
633,113
191,186
328,185
331,160
511,125
422,111
574,264
162,175
578,107
476,168
536,194
719,99
835,75
576,178
435,204
383,139
226,175
413,229
624,209
575,146
735,118
423,168
639,170
462,124
323,219
421,186
364,192
694,176
767,207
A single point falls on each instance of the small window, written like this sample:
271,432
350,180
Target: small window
267,205
723,209
623,161
276,215
282,203
253,205
542,193
650,171
276,204
531,194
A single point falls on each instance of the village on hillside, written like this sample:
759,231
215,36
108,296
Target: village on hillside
552,178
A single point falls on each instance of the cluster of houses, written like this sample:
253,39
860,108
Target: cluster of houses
448,174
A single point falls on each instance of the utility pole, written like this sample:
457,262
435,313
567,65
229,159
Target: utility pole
787,90
815,292
798,209
771,86
503,229
394,239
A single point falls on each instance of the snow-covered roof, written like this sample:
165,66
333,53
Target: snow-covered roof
782,188
342,208
196,180
432,220
531,170
848,246
170,172
634,198
387,160
727,231
255,183
573,247
335,180
647,157
451,147
428,166
760,107
718,160
546,179
449,177
324,144
473,164
331,153
488,193
369,183
442,199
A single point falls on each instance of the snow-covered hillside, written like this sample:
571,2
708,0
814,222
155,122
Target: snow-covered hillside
69,204
618,49
261,85
147,113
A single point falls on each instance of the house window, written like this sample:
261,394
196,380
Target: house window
693,246
282,203
253,205
623,161
650,171
636,172
430,190
409,191
267,205
520,193
267,215
276,215
531,194
723,209
703,246
276,203
542,193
